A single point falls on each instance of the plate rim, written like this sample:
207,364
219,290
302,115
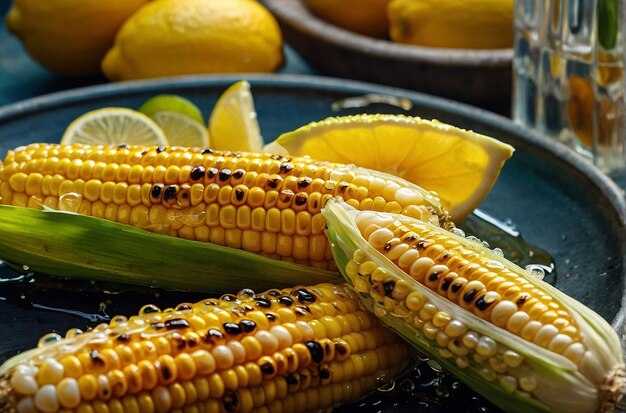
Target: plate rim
299,18
575,162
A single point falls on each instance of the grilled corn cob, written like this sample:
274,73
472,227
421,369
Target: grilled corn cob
263,203
295,350
516,339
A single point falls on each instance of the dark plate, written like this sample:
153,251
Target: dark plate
556,200
475,76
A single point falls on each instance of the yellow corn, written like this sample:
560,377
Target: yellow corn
519,341
295,350
263,203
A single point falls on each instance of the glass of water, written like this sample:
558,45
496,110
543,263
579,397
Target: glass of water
569,75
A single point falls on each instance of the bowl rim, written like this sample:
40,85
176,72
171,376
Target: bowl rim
297,16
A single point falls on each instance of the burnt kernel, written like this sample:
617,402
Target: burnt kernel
165,372
316,350
267,368
247,308
211,172
522,300
95,358
263,302
470,295
342,187
247,325
158,326
175,323
274,293
191,342
169,192
286,195
239,194
286,167
286,301
305,296
213,335
301,198
481,304
456,287
270,316
144,152
197,173
388,287
225,175
434,276
160,149
123,146
304,182
230,401
444,257
232,328
341,349
410,238
274,182
180,341
293,379
300,311
421,244
239,173
149,309
207,151
446,283
155,192
123,338
315,204
325,373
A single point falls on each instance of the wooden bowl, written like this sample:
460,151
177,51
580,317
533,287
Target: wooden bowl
480,77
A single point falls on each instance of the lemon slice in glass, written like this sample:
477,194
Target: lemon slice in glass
181,130
460,165
114,126
233,124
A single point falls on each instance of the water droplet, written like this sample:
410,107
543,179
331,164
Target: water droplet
385,383
486,244
25,267
149,309
119,320
473,238
498,252
435,366
246,294
494,264
442,391
193,217
2,264
407,385
458,231
70,202
455,385
73,332
379,311
48,339
566,261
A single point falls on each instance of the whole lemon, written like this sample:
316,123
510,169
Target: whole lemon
174,37
368,17
69,37
463,24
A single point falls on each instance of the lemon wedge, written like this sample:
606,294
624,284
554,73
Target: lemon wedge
171,103
460,165
233,124
181,130
114,126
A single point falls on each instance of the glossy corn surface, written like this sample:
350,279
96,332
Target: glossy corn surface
295,350
263,203
509,335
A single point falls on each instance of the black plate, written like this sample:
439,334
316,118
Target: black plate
555,199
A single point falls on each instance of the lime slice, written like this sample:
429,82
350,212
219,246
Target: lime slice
460,165
233,124
171,103
114,126
181,130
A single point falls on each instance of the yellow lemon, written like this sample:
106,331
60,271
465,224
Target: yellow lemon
69,37
462,24
368,17
461,166
173,37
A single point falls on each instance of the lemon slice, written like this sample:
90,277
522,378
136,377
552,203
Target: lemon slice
233,124
181,130
461,166
171,103
114,126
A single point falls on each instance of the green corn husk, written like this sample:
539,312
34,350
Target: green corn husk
78,246
561,385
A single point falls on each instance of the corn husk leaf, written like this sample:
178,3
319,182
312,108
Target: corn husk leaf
77,246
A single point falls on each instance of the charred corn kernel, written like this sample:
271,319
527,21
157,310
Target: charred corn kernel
240,191
215,354
477,314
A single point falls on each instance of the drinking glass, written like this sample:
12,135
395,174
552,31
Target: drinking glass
568,72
